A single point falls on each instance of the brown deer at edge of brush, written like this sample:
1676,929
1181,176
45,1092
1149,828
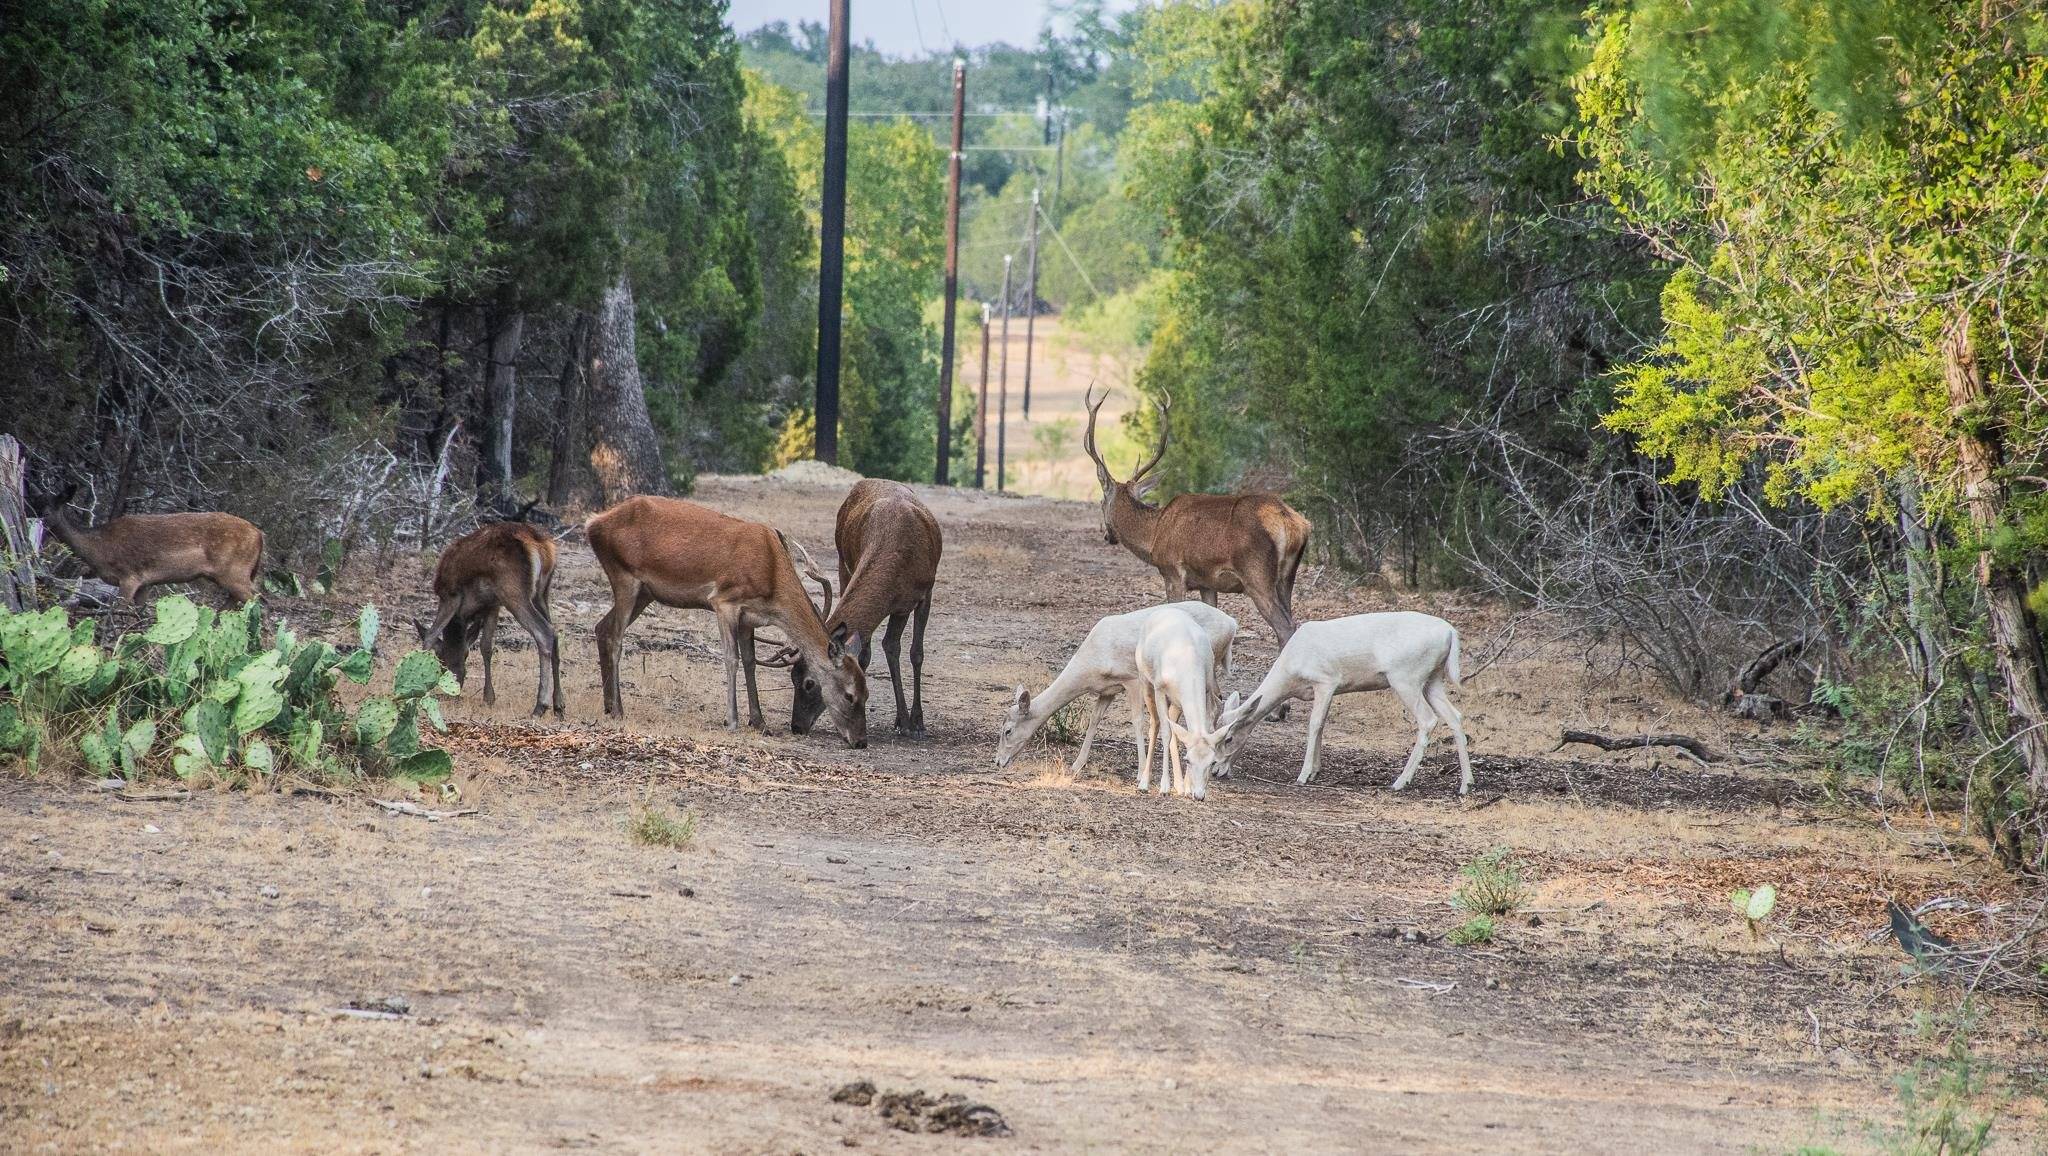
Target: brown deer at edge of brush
889,545
685,555
505,564
1207,544
136,551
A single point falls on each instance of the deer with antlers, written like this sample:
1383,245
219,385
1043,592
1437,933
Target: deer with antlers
684,555
136,551
505,564
1204,544
889,545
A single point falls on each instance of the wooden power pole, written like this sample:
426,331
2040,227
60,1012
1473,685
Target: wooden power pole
832,239
981,411
1003,378
942,474
1030,299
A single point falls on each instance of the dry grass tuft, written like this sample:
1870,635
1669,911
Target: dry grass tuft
653,826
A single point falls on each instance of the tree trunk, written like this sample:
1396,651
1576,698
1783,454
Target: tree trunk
1922,600
568,396
2004,584
505,327
624,453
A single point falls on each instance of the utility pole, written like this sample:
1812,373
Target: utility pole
942,474
1059,166
1030,301
980,413
832,239
1003,378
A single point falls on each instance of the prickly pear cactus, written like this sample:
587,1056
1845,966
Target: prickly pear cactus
14,730
258,757
366,627
78,666
419,673
37,643
189,756
135,744
98,755
260,700
214,726
304,742
375,720
428,766
176,620
357,666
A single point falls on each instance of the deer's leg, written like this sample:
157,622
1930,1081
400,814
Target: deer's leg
892,649
1277,615
1141,723
535,622
540,603
1088,736
918,619
486,635
1207,595
1166,740
729,634
1440,700
1425,721
755,718
1318,715
611,633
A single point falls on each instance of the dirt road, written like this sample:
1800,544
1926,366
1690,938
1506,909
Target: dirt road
1264,972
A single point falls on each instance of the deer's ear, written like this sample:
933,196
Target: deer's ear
1180,732
1144,488
836,646
421,627
1023,698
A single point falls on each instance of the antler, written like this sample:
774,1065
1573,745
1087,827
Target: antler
1088,439
787,656
1164,405
811,571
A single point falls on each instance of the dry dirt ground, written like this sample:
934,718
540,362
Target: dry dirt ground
1110,971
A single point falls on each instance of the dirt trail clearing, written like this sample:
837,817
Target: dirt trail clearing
1110,972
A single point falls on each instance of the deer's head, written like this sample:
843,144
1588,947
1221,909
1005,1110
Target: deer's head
1140,484
839,685
453,642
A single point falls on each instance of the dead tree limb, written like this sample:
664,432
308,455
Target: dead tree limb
1686,743
1742,694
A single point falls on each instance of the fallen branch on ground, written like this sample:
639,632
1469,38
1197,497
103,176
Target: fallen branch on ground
1686,743
400,807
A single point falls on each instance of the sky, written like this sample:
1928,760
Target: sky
910,27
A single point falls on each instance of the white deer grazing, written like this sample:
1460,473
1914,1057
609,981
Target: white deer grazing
1105,663
1175,667
1414,654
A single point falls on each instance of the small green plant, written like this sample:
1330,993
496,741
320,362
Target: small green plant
653,826
199,692
1940,1098
1471,933
1754,906
1066,724
1491,884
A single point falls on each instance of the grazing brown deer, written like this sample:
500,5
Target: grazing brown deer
889,547
1205,543
141,550
505,564
681,554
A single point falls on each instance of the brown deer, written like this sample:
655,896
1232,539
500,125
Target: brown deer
1207,544
141,550
681,554
889,547
505,564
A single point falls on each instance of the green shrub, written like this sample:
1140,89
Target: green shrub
1068,723
654,826
200,694
1491,884
1472,932
1939,1099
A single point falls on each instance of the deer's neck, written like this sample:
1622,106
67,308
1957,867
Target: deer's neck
1136,524
1076,680
865,601
81,541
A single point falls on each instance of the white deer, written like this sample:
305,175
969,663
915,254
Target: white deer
1174,665
1105,663
1414,654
